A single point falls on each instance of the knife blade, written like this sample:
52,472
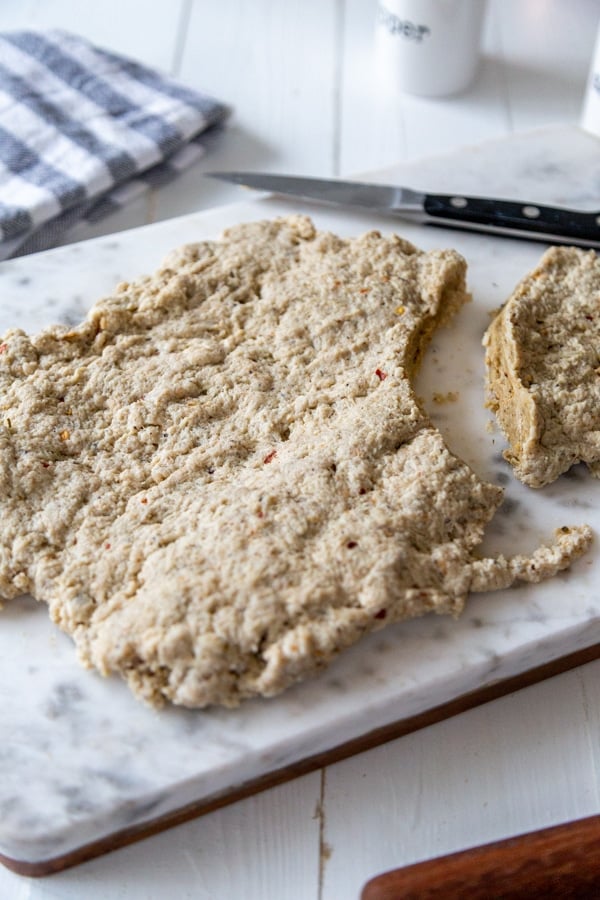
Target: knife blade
508,218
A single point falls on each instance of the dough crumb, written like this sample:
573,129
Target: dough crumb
542,367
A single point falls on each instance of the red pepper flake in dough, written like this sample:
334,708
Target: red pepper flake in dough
381,375
46,465
3,348
270,456
351,545
144,500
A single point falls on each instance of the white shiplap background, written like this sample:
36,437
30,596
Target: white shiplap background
299,75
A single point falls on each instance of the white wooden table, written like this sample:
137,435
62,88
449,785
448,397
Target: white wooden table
299,76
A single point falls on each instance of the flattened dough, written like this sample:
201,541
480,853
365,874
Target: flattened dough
222,477
543,367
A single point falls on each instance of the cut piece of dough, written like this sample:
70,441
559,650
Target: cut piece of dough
543,367
222,477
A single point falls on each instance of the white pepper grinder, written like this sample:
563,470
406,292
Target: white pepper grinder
430,48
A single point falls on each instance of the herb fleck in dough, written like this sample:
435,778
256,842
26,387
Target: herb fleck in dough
222,477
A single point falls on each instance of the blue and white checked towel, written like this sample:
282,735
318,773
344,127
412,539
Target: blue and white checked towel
83,131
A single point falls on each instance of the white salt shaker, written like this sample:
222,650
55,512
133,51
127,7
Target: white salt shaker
428,47
590,117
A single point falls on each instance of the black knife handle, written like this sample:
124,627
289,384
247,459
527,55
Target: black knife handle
512,218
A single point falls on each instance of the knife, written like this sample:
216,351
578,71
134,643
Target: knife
509,218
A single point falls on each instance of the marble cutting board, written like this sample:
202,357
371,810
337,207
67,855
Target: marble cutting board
85,767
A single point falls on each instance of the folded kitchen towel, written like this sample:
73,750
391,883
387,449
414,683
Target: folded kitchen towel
83,131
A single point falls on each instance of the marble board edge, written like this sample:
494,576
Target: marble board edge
459,704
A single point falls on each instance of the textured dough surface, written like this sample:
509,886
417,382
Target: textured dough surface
543,367
222,477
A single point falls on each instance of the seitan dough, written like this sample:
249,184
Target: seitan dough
222,477
543,367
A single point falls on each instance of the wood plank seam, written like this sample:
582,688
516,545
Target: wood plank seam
181,34
338,70
324,849
589,728
496,15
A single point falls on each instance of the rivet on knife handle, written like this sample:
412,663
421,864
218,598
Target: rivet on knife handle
511,217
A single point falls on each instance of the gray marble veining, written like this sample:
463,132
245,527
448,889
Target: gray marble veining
80,758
